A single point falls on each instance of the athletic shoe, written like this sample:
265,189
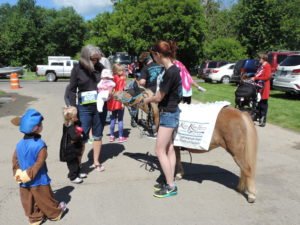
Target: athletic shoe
159,186
122,139
77,180
133,123
63,206
166,191
82,175
111,138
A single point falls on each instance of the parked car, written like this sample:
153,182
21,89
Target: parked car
124,59
244,66
287,77
275,58
221,74
207,66
58,66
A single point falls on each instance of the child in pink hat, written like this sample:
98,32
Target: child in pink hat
105,87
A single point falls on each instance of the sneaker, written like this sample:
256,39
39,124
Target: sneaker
77,180
64,209
82,175
111,139
166,191
122,139
63,206
159,186
133,123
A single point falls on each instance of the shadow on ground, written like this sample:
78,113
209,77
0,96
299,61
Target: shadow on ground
14,104
108,151
193,172
293,97
63,194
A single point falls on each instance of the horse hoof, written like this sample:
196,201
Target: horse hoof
178,176
251,198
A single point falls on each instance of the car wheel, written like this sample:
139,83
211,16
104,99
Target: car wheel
225,80
51,77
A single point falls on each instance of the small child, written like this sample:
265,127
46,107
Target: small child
30,171
105,87
116,107
71,145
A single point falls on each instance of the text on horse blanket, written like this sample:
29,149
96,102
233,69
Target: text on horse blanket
196,124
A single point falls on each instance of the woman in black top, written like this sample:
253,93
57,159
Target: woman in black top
168,97
83,83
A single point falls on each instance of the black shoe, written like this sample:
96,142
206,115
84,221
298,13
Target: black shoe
133,123
262,122
159,186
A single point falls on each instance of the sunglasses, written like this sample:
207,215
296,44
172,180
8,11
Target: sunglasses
94,59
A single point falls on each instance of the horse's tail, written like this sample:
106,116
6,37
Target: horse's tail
250,154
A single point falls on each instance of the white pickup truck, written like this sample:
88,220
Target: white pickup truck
58,66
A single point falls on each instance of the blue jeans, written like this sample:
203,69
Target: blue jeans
90,118
116,114
169,119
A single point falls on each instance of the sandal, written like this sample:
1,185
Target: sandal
99,168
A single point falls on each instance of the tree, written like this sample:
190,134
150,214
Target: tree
264,25
227,49
134,25
30,33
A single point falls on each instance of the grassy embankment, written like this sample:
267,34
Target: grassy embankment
283,110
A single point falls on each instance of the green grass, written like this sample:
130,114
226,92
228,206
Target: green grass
283,110
31,76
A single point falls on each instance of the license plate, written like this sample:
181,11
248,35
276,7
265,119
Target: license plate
283,73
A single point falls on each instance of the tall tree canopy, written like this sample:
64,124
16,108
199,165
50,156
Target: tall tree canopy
29,33
134,25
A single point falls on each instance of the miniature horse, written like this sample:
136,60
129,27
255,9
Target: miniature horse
234,131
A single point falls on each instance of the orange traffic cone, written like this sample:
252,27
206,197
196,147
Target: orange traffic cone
14,81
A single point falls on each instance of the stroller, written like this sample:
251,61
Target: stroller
247,96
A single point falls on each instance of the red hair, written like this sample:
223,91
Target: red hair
166,48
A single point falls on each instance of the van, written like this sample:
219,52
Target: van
275,58
244,66
207,66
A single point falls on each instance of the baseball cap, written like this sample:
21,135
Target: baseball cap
29,120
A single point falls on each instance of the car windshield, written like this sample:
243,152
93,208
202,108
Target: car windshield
292,60
212,65
122,59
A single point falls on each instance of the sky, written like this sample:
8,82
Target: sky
88,9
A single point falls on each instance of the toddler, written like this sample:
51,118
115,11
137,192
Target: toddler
71,145
30,171
105,87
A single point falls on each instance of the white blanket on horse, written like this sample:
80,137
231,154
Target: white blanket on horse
196,124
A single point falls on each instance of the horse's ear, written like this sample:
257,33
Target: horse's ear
16,121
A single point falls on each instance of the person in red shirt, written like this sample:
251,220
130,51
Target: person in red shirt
116,107
263,74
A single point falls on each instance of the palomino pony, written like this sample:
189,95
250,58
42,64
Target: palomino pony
234,131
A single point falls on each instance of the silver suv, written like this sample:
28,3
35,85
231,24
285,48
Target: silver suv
287,77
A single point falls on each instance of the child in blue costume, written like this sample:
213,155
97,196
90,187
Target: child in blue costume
30,171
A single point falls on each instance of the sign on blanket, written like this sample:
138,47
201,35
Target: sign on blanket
196,124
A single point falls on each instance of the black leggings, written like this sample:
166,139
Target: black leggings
74,168
187,100
263,108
